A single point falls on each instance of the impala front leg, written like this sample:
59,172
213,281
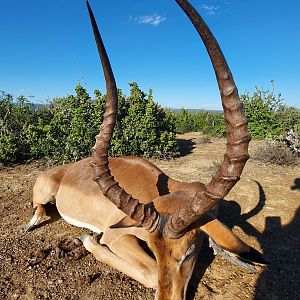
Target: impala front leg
127,257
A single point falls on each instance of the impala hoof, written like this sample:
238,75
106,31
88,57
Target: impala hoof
84,237
87,238
35,220
30,225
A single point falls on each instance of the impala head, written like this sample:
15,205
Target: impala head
172,220
176,259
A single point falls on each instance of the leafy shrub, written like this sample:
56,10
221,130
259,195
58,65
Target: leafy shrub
213,123
267,116
14,119
144,128
185,121
64,129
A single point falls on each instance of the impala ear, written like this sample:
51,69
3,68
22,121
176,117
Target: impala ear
226,244
246,260
126,222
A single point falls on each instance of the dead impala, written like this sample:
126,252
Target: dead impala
138,202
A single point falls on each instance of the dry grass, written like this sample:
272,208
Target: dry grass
275,152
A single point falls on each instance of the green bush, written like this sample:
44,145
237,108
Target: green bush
14,120
211,123
267,116
64,129
185,121
144,128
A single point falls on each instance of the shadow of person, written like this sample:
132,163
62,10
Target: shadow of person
282,243
296,185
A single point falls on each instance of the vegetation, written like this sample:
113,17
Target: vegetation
14,119
266,113
268,118
275,152
64,129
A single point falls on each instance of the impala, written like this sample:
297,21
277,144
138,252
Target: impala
137,202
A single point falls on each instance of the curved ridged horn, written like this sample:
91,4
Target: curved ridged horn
146,215
237,134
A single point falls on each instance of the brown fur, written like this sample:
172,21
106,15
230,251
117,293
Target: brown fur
81,203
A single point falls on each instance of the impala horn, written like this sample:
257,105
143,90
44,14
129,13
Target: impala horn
146,215
237,134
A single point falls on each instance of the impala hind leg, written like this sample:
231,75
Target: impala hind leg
38,217
129,258
42,194
44,191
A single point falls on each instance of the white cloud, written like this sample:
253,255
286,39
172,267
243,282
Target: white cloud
210,9
153,20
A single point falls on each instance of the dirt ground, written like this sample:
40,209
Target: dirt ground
263,209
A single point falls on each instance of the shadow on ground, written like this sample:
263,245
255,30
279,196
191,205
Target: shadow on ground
296,185
52,213
229,214
280,244
185,146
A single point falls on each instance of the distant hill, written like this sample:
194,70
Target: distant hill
176,110
195,110
38,105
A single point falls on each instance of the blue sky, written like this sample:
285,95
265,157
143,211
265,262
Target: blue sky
47,47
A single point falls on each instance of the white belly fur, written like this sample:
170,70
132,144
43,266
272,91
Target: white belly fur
80,224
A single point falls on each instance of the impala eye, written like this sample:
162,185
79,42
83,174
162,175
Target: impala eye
187,254
190,250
